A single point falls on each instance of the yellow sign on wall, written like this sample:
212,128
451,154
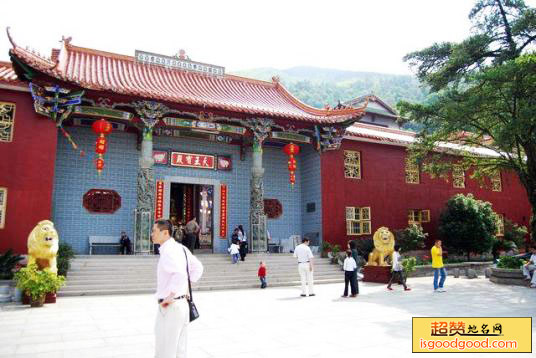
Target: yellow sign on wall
472,334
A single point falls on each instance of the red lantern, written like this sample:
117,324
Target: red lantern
101,128
291,149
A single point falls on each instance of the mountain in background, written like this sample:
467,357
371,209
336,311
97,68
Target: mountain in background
319,86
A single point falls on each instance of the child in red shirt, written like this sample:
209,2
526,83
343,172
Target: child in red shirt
262,274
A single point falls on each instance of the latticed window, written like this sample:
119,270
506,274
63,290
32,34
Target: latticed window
500,225
458,176
412,172
352,164
418,216
7,121
102,201
358,221
3,204
496,182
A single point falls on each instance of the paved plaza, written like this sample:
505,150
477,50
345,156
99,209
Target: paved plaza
273,323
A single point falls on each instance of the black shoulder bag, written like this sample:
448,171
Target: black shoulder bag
194,314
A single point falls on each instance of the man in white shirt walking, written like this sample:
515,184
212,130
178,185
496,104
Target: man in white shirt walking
305,266
173,313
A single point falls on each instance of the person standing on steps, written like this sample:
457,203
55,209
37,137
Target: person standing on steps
305,266
243,242
175,265
191,229
437,265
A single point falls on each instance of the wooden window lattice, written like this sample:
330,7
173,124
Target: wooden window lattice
7,121
418,216
352,164
102,201
412,172
496,182
358,221
3,205
458,177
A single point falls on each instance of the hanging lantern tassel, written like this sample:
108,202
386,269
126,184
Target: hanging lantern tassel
70,139
291,149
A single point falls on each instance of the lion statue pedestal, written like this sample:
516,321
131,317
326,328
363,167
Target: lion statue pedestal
377,269
43,245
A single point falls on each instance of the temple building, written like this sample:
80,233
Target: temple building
187,140
183,139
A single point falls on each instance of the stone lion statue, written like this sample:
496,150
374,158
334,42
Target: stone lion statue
43,244
384,245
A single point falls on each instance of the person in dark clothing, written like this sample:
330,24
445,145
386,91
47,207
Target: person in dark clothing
355,255
125,247
243,243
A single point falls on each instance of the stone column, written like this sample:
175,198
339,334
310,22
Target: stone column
150,113
259,243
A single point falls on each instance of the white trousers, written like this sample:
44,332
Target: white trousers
171,330
528,269
306,276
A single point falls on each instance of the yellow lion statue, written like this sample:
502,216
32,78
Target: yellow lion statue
384,245
43,244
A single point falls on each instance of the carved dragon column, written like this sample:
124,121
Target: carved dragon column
149,112
259,243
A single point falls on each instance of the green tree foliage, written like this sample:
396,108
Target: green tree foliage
319,87
411,238
483,95
515,233
467,225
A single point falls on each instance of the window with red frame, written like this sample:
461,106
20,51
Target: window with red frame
102,201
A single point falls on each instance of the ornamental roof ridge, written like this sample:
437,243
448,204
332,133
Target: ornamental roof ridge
105,71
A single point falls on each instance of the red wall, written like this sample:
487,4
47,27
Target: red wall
27,170
384,189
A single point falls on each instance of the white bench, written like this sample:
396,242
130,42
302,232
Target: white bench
103,241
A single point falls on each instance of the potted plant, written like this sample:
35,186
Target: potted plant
326,247
8,263
508,271
37,283
408,264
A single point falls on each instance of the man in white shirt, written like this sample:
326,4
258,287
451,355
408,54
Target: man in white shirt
172,291
305,266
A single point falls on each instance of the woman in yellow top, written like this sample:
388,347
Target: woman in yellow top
437,265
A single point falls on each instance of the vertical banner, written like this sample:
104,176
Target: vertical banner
223,212
159,204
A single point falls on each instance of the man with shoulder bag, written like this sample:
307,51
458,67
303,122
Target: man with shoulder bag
177,266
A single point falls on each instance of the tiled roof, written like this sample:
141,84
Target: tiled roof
370,133
379,134
104,71
8,76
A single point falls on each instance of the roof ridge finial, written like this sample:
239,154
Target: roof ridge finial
66,40
8,31
276,79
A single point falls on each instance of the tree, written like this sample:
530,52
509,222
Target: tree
468,225
411,238
482,110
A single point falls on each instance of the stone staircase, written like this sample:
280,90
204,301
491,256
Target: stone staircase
107,274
